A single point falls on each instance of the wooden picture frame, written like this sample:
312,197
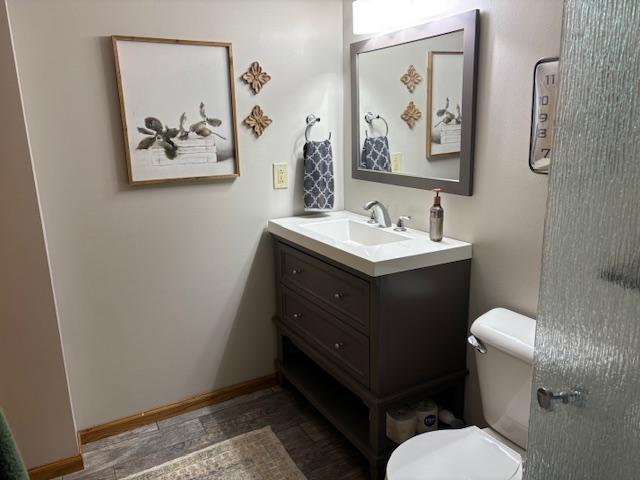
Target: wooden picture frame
453,145
168,136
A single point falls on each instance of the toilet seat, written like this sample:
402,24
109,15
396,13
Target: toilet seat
464,454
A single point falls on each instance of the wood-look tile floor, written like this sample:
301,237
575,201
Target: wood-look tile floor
319,450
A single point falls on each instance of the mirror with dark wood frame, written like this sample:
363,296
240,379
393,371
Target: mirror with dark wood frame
413,105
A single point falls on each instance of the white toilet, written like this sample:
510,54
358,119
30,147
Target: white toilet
497,452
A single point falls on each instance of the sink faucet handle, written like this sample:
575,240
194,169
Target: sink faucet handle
402,222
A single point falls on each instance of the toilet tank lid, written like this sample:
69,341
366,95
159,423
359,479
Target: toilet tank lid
508,331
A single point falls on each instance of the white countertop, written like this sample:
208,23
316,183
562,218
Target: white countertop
417,251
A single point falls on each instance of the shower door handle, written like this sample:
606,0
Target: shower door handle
546,398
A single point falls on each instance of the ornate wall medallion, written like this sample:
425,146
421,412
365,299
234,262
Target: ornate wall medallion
257,121
411,115
255,77
411,79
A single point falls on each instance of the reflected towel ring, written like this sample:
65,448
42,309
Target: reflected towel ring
311,121
370,117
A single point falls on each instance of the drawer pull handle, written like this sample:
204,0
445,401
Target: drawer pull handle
297,315
338,295
338,345
296,271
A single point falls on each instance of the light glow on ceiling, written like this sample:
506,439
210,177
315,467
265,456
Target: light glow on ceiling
373,16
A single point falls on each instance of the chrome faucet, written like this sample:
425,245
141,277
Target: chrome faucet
379,213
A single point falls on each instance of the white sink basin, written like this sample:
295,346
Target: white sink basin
348,239
354,233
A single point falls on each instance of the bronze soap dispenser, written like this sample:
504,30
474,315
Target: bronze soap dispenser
436,218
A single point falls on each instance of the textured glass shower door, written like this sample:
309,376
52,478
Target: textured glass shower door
588,330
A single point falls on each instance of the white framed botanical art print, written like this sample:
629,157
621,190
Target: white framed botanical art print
177,104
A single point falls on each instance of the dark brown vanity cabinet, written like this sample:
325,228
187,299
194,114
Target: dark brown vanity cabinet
356,346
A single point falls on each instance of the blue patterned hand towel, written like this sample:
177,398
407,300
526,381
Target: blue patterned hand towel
375,154
319,185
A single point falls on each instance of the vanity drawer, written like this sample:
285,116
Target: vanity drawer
340,290
330,336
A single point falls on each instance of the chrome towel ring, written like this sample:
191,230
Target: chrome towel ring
311,121
370,117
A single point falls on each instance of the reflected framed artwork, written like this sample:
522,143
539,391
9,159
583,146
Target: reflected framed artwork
177,104
444,103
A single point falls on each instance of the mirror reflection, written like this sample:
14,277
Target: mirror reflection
410,107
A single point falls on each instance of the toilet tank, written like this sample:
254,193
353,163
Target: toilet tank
505,371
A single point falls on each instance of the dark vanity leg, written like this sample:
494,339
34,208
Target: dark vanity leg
374,471
280,358
458,400
378,469
281,381
377,428
283,350
378,441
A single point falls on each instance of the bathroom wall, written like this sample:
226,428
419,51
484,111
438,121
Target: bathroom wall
167,291
504,218
33,385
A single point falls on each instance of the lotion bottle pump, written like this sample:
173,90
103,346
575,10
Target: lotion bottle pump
436,218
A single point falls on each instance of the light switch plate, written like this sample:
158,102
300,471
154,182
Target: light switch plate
280,175
396,161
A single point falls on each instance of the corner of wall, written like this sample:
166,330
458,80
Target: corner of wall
43,425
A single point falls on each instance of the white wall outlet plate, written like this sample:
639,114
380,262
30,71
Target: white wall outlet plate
396,161
280,175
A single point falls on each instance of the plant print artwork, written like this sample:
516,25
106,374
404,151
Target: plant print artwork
181,141
177,105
